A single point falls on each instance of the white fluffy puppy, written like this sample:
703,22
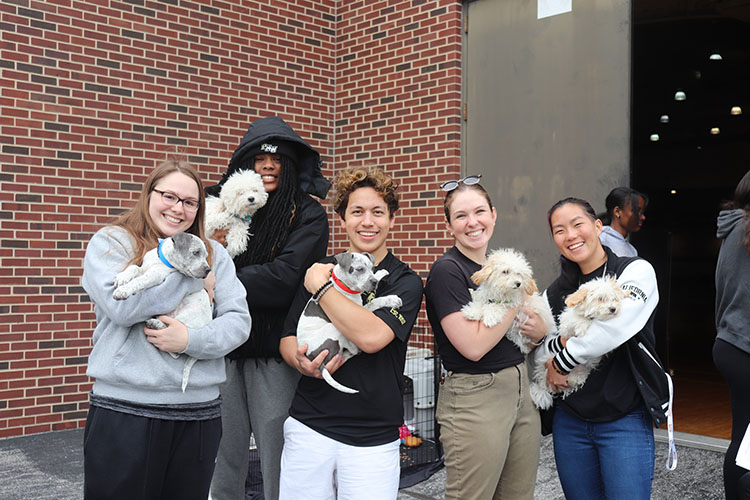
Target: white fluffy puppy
599,299
241,196
505,281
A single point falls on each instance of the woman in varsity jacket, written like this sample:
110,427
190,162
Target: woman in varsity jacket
603,435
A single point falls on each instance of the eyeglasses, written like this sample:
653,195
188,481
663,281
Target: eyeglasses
172,199
468,180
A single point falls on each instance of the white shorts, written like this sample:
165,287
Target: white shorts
316,467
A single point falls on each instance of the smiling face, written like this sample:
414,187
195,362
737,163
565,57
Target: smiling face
577,236
471,222
367,222
167,219
269,167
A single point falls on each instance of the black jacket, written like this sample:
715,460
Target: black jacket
271,286
639,361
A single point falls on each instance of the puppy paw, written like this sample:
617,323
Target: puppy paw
121,293
155,324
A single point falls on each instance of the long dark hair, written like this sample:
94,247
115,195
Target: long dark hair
271,224
741,201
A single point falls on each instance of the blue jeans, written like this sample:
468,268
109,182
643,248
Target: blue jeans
604,460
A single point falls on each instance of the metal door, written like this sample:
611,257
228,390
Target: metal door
547,112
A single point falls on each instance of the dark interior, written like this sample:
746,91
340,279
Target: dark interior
689,171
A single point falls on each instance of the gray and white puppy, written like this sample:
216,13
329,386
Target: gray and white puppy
354,271
184,253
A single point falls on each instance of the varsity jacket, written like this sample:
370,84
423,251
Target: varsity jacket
631,331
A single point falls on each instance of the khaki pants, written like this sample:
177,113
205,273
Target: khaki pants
490,431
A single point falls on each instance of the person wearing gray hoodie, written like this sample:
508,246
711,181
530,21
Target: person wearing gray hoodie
147,435
731,351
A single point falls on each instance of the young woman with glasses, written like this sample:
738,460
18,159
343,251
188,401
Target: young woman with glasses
145,436
489,428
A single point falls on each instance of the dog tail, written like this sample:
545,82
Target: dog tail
332,382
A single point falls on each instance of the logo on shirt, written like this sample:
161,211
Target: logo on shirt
635,292
367,298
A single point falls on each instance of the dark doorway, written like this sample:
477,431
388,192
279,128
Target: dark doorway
701,48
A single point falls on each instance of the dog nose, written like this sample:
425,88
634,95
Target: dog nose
518,284
612,310
251,199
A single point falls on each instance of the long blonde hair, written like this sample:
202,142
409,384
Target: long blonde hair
137,221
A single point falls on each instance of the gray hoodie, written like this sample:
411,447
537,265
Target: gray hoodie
733,281
125,365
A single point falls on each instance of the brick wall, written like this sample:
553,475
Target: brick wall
93,94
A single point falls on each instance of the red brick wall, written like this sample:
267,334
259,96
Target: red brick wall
93,94
398,105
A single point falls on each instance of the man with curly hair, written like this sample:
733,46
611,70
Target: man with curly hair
339,445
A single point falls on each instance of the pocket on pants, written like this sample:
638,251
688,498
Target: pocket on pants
464,383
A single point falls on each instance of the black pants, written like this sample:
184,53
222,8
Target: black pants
734,366
129,457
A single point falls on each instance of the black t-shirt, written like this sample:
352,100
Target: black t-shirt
447,291
373,415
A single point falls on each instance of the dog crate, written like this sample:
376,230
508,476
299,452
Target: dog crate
421,453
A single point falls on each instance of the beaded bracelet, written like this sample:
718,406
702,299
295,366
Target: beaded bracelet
320,291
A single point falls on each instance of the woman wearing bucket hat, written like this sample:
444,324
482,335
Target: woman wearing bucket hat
290,233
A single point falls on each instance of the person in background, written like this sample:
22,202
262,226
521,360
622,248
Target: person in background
731,351
489,427
339,445
145,436
625,214
289,233
603,433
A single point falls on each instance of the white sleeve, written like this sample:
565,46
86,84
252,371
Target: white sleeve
604,336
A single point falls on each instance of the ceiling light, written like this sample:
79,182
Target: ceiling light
736,110
715,130
679,96
654,137
674,191
715,56
664,119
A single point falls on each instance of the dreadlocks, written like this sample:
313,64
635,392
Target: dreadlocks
271,224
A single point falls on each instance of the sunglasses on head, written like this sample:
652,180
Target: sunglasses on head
468,180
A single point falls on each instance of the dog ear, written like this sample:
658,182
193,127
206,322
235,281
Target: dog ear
369,256
181,241
531,287
625,293
576,297
344,259
482,275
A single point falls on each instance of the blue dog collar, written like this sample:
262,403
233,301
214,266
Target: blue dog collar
246,219
161,255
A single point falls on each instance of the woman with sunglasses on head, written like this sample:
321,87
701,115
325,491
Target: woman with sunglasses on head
489,428
603,432
146,437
